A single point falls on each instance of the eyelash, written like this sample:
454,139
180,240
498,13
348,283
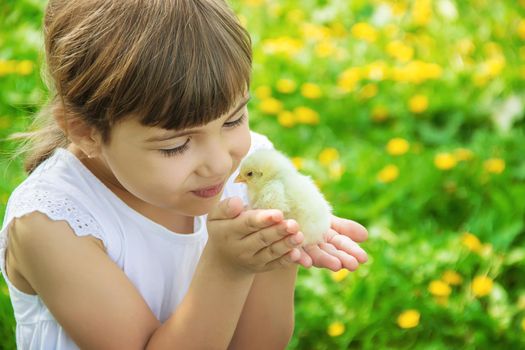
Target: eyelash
184,147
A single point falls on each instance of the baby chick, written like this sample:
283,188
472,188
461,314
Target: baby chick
274,183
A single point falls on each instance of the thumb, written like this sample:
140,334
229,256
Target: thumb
226,209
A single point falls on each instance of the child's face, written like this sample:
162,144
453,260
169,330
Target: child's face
204,157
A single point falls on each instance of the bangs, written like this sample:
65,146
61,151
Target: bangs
180,64
203,77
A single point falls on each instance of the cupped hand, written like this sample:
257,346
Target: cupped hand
340,248
251,240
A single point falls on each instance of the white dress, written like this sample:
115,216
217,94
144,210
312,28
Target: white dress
159,262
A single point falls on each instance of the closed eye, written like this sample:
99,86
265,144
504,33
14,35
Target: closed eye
185,146
176,150
235,122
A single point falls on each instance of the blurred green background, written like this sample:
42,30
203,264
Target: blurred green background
409,116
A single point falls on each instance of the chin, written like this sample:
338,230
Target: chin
202,206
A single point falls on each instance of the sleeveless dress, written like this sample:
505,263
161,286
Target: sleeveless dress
159,262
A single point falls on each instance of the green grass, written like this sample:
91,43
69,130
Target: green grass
449,86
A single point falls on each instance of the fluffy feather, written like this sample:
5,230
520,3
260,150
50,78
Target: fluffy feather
274,183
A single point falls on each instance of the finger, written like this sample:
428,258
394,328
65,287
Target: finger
226,209
279,246
345,244
254,220
347,261
304,259
263,238
321,258
284,261
350,228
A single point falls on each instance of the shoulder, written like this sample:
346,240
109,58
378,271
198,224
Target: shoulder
39,208
65,269
31,241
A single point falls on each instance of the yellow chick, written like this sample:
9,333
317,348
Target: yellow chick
274,183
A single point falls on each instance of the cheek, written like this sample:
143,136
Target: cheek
150,177
242,143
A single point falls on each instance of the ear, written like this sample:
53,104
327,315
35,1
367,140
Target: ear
84,136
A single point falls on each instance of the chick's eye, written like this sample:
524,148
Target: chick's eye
250,173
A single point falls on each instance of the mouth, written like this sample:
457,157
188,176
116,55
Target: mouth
209,192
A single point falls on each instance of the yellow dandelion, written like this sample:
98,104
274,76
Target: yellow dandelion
271,105
7,67
325,48
472,242
298,162
377,70
439,288
311,90
463,154
286,119
388,174
400,51
494,165
445,161
305,115
254,2
335,329
338,30
285,86
397,146
521,29
465,46
24,67
263,92
379,113
421,12
295,16
340,275
398,8
368,91
490,68
282,45
314,31
328,155
418,104
364,31
482,286
408,319
452,277
349,79
417,72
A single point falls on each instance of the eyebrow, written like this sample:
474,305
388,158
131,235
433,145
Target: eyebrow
191,131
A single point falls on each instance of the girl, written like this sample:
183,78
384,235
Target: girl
129,232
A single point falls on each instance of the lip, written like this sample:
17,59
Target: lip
208,192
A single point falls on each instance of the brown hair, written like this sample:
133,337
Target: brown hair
173,63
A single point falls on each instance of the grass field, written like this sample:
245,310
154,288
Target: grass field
409,116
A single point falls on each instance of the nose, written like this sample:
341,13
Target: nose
217,160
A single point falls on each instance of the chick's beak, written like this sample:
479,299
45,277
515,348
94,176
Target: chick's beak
239,178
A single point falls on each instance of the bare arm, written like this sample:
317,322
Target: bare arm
267,319
99,307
